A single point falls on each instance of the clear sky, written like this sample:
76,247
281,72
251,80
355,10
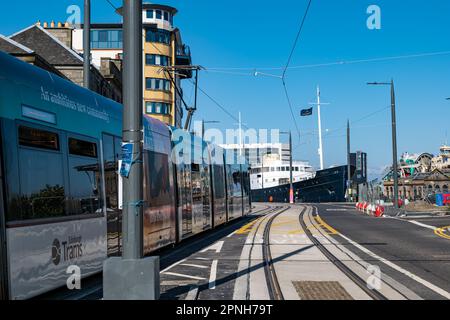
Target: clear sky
258,34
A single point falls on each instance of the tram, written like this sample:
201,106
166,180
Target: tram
60,191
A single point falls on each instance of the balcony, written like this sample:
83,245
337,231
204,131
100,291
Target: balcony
183,58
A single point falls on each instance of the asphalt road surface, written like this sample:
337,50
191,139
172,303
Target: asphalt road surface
412,244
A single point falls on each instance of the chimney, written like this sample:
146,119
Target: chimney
38,23
59,24
52,24
45,24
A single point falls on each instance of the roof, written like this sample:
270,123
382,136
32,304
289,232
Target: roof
10,46
148,6
47,46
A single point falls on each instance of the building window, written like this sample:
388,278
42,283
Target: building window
158,14
157,84
157,107
156,60
106,39
150,14
156,35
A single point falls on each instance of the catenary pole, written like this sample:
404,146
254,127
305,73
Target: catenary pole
87,44
132,128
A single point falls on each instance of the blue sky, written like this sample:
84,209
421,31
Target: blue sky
259,34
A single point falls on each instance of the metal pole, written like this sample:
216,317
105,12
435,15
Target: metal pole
87,44
132,129
196,89
203,129
291,187
320,129
394,145
240,135
349,175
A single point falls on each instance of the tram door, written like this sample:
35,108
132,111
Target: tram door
3,260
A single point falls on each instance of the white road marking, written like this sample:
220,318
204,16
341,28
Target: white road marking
231,234
427,284
423,225
184,276
216,246
420,224
173,265
192,294
200,258
212,277
194,265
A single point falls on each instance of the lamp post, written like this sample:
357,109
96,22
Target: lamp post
87,44
291,186
394,137
132,277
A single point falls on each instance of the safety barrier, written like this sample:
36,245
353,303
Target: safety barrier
370,209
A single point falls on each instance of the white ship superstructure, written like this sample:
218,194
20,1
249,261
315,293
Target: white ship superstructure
275,172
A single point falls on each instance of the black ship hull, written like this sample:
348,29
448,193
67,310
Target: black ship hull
328,185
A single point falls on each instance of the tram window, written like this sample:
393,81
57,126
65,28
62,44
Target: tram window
158,179
42,192
37,138
82,148
84,181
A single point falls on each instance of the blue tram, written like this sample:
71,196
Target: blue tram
60,192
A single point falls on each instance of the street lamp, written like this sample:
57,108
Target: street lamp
291,187
394,137
257,73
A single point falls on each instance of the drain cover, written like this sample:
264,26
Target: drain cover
321,290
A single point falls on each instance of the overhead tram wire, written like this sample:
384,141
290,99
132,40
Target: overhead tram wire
296,39
206,94
112,5
231,70
328,134
283,77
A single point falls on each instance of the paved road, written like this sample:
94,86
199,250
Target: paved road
413,245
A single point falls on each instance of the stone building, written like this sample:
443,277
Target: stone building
50,48
27,55
420,176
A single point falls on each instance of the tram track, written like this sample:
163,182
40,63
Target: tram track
360,282
93,288
273,286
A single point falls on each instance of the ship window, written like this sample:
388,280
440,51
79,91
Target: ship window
158,14
150,14
166,16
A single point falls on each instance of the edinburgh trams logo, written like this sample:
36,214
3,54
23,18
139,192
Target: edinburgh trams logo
67,250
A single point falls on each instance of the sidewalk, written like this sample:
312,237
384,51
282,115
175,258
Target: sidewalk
303,272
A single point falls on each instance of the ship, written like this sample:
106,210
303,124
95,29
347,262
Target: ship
328,185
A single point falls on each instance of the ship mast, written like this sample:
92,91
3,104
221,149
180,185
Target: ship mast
320,129
319,120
